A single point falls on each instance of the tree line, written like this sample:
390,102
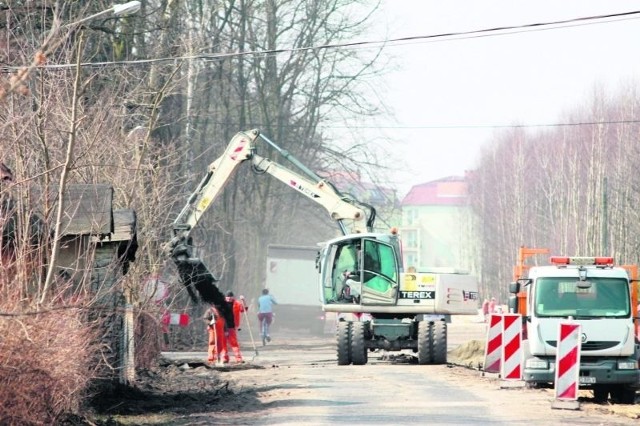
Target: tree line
572,188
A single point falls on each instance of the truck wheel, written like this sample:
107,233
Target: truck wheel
439,342
601,393
358,344
344,343
425,342
623,394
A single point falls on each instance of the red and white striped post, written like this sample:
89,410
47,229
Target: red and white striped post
567,380
512,347
493,347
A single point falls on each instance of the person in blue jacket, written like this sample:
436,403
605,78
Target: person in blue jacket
265,313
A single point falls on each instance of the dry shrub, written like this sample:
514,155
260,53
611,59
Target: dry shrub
47,360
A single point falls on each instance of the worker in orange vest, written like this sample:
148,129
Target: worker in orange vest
217,351
238,307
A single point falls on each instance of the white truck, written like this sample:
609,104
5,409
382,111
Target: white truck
599,296
399,306
292,279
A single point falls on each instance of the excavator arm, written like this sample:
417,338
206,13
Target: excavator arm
350,215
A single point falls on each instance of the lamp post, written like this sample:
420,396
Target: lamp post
124,9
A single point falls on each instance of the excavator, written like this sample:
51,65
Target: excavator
361,272
348,213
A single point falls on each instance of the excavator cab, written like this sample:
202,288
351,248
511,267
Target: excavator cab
360,269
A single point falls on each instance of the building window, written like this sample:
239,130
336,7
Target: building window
410,239
411,260
411,217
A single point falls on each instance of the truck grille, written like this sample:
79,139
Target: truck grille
590,346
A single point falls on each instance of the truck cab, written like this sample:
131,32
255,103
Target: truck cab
597,295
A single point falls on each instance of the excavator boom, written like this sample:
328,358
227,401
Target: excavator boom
350,215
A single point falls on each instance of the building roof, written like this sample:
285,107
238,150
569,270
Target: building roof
448,191
87,209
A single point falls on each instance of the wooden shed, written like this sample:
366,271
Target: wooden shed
97,245
97,242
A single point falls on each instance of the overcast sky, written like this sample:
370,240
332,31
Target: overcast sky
446,95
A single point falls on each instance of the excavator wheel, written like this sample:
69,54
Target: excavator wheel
425,342
439,342
358,344
343,337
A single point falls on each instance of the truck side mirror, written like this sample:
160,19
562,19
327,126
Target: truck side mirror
513,303
514,287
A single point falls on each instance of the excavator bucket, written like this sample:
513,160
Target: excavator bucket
201,286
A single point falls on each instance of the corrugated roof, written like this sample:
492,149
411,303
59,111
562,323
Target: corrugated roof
449,191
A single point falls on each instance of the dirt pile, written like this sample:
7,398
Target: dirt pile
470,354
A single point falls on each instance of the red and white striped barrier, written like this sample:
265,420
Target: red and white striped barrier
567,380
511,347
493,347
170,318
180,319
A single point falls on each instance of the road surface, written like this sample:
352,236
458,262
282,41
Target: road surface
297,381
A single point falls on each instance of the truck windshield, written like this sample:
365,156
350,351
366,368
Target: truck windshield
604,297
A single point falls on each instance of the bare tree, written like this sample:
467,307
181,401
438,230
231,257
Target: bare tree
570,189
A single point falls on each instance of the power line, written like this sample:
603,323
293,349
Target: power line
458,126
487,32
483,126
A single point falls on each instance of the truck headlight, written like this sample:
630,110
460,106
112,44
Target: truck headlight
626,365
536,363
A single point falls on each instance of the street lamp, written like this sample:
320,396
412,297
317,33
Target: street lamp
52,41
117,10
126,8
